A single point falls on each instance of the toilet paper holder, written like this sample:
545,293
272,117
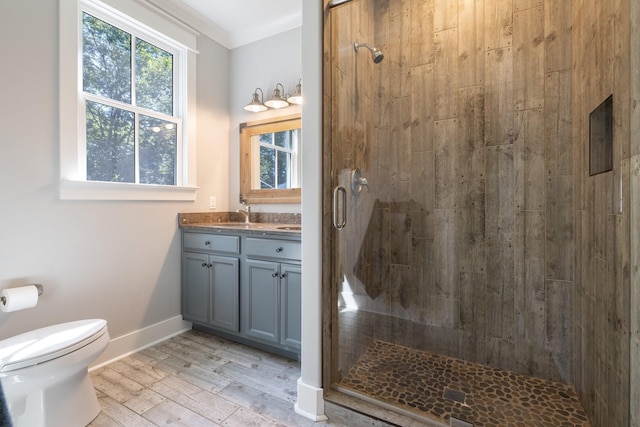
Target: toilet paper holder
37,285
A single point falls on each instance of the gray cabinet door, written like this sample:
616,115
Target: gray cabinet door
290,297
195,288
225,292
262,300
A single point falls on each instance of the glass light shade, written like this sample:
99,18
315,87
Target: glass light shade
296,98
277,101
255,106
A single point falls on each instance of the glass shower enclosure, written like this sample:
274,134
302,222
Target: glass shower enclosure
435,204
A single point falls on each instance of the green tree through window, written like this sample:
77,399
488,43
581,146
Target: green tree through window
276,153
131,130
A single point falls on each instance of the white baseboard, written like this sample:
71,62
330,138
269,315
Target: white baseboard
138,340
310,403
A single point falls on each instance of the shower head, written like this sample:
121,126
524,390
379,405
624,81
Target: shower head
376,55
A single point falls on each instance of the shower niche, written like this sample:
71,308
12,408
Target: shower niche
601,138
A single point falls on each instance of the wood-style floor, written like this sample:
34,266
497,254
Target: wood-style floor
196,379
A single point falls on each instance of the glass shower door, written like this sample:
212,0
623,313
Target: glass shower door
392,304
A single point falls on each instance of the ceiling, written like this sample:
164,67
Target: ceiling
234,23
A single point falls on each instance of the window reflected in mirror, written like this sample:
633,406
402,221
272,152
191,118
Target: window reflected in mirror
276,165
270,161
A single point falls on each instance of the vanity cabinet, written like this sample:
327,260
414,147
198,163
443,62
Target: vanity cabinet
272,290
273,302
244,286
290,303
261,300
211,280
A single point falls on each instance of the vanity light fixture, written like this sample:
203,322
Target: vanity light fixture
296,98
256,105
277,101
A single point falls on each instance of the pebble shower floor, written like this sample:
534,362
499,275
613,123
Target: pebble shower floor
439,387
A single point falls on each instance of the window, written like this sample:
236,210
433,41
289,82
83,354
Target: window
131,131
125,94
278,159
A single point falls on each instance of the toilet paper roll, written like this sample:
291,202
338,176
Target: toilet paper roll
19,298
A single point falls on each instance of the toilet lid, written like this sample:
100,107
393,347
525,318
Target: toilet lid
48,343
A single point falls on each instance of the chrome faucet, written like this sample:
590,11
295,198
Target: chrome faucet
247,213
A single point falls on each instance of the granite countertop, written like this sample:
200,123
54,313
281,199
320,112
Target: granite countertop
260,228
284,224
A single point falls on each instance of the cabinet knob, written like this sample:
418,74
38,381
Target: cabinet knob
279,249
204,264
283,275
207,243
274,274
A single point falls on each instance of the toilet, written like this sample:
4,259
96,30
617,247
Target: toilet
45,377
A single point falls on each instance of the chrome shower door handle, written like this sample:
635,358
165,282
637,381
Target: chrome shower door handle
339,191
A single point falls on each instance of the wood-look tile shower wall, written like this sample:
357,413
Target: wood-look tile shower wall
464,132
601,67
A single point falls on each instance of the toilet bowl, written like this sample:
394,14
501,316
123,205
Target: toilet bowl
44,374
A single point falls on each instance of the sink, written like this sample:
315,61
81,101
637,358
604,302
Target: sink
290,227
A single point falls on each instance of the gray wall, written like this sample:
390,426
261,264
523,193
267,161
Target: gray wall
262,64
115,260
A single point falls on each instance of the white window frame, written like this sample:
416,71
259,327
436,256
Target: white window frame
73,182
293,160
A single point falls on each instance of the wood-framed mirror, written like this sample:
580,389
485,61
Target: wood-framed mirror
270,160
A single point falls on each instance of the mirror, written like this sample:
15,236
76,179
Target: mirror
270,160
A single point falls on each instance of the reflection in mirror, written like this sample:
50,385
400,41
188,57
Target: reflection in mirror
274,162
270,161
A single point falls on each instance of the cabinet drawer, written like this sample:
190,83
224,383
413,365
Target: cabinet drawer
211,242
281,249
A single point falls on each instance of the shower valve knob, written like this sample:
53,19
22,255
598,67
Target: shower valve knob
358,181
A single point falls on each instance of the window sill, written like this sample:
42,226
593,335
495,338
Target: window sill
97,190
